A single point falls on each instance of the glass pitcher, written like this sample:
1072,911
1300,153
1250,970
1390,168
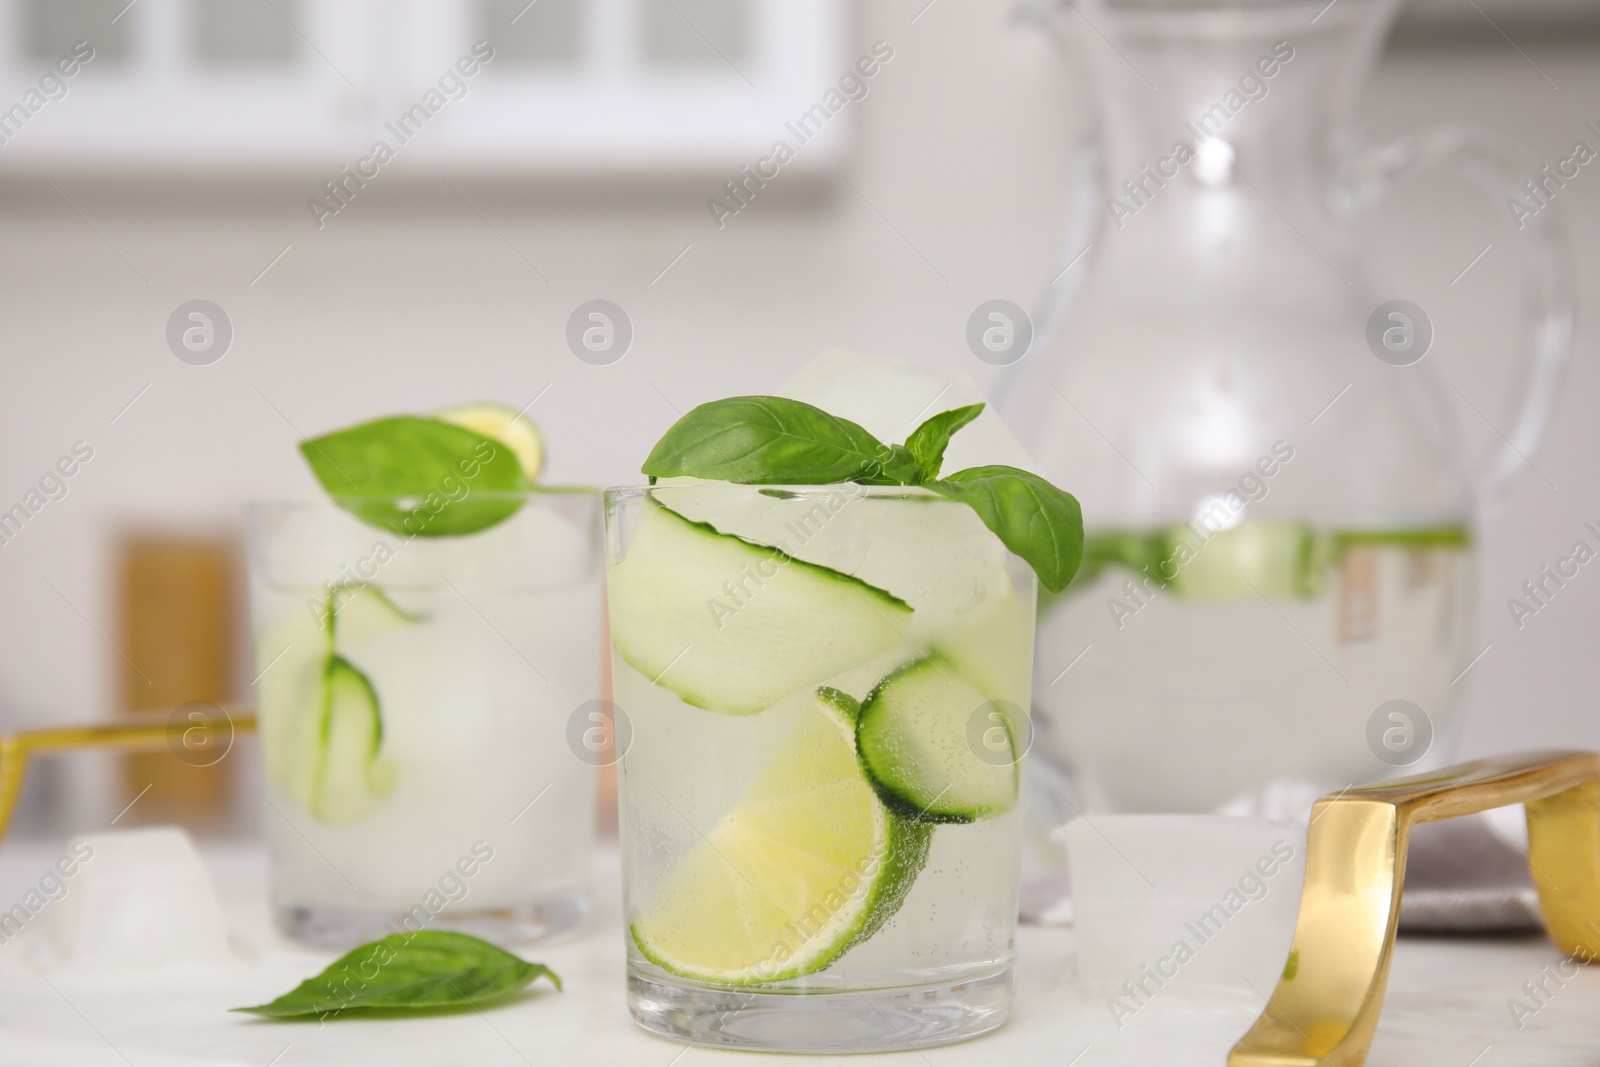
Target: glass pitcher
1278,574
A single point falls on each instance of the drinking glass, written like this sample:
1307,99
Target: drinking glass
414,695
820,694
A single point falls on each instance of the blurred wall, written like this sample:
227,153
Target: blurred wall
412,299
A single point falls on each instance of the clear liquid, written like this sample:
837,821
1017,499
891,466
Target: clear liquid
1263,660
688,767
482,650
473,734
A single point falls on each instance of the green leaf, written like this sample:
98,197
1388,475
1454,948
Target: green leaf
757,440
928,441
408,972
1033,518
897,467
420,477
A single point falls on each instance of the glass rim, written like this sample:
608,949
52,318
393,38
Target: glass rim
1218,7
777,490
533,492
1238,21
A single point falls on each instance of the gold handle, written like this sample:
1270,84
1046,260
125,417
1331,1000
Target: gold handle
145,733
1325,1008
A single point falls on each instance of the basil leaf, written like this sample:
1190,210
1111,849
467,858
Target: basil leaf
408,972
754,440
1033,518
928,441
896,467
768,439
417,477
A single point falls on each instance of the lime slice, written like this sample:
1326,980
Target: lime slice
499,423
808,865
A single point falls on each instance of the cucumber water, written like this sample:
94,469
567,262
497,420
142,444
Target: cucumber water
802,810
1177,672
409,735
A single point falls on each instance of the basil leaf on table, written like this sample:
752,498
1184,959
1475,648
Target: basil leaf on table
418,971
757,440
928,441
1034,519
414,476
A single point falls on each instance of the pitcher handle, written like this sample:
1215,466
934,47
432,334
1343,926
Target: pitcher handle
1547,291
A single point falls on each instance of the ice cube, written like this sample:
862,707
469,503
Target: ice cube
934,554
1187,900
890,399
139,898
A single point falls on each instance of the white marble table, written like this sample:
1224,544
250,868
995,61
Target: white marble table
1447,1006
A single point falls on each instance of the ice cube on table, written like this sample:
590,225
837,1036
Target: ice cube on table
139,898
889,399
1187,900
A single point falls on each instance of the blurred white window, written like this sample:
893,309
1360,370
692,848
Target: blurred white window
574,85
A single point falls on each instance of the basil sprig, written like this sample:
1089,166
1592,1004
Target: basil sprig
1034,519
755,439
418,477
928,441
424,970
770,440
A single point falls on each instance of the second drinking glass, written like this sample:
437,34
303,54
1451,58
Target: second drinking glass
414,697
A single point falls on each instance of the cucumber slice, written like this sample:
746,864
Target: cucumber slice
931,552
808,865
734,627
1267,558
363,612
915,743
994,651
320,718
290,657
354,781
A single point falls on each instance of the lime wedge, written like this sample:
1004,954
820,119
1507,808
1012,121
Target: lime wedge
808,865
499,423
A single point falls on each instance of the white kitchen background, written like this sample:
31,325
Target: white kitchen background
180,161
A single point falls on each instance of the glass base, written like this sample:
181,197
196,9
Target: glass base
552,919
883,1020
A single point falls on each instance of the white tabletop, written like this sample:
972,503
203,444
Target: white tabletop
1447,1005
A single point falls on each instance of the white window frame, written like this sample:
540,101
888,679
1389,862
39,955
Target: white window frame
369,60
